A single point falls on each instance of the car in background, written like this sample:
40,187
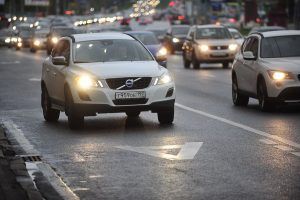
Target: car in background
5,35
159,33
175,37
39,40
267,68
24,38
104,73
209,44
153,45
239,38
56,33
262,29
145,21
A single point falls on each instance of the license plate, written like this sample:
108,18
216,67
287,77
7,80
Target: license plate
131,95
219,54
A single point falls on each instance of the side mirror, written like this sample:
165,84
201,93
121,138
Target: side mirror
248,55
59,60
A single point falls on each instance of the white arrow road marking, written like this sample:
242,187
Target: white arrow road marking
187,151
35,79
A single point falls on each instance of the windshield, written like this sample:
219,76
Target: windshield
146,39
40,35
180,30
236,35
64,32
213,33
110,51
25,33
283,46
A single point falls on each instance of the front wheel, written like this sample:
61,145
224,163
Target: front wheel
195,61
50,115
238,98
75,119
166,117
265,104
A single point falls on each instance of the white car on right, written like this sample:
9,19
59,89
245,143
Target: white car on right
267,68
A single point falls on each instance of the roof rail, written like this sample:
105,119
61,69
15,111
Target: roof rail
258,33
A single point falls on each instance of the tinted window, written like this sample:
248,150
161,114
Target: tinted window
213,33
146,39
283,46
110,51
180,30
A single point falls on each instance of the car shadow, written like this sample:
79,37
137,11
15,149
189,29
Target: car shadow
291,110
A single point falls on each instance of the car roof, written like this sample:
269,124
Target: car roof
139,32
180,26
279,33
101,36
209,26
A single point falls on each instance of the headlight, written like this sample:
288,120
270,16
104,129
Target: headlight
204,48
175,40
7,40
278,75
86,82
19,39
37,43
233,47
19,44
162,53
54,40
165,78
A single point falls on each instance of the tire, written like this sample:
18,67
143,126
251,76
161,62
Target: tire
238,99
166,117
75,119
48,52
18,48
32,50
50,115
186,62
133,114
265,104
195,61
225,65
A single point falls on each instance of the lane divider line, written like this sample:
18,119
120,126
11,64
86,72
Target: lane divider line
238,125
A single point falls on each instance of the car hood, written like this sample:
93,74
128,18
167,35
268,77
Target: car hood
214,42
153,48
291,64
122,69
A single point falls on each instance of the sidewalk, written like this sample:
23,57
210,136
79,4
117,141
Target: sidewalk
15,182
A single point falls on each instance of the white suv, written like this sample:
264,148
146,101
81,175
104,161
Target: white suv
95,73
268,68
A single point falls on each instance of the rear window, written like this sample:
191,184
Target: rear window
282,46
213,33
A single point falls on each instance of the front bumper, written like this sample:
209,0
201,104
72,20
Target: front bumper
92,109
215,56
103,100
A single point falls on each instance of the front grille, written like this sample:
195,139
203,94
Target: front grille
218,47
115,83
292,93
130,101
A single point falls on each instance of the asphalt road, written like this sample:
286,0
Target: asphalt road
235,153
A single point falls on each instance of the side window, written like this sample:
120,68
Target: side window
62,49
254,47
247,44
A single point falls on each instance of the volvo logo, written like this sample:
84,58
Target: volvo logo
219,48
129,83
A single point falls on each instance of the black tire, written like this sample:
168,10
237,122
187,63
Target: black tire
195,61
265,104
238,99
32,50
225,65
18,48
133,114
186,62
50,115
166,117
75,119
